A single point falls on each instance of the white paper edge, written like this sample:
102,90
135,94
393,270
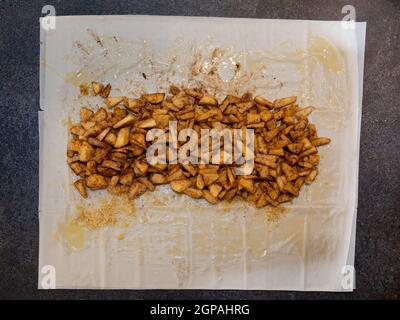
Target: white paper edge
360,37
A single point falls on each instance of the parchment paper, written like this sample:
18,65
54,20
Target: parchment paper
163,240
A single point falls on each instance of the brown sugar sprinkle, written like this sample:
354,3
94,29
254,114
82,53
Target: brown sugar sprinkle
274,214
121,236
107,149
103,216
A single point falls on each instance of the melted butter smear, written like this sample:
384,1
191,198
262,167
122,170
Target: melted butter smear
320,49
67,122
76,79
73,78
326,54
73,234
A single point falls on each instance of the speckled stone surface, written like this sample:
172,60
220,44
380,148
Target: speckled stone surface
378,224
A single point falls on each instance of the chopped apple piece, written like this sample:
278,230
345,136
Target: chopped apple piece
122,137
96,181
80,185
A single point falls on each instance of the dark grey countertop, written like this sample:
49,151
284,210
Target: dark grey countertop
378,224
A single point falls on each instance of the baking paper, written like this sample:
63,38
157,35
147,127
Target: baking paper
164,240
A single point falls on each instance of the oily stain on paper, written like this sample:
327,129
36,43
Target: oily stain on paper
326,55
